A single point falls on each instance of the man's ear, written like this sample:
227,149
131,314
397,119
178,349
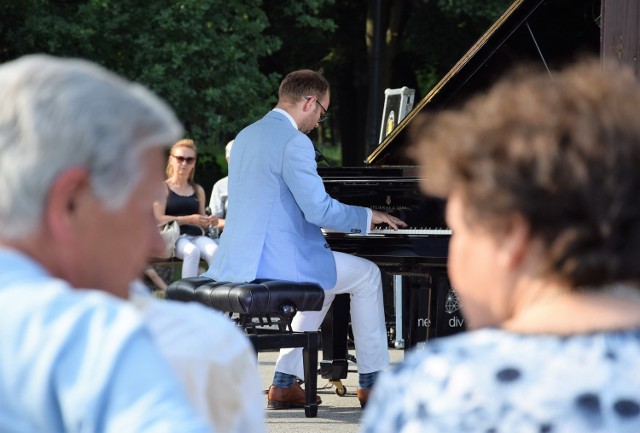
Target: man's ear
309,104
515,241
66,196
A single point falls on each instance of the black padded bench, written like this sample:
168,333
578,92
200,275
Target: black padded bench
259,303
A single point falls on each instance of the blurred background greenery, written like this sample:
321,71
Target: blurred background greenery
218,62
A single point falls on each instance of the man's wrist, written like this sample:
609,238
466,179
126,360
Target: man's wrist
369,219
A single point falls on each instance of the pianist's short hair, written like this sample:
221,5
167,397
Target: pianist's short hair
305,82
563,151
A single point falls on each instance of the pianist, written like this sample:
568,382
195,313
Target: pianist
542,180
272,230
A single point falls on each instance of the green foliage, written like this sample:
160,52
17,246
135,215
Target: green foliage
304,27
474,9
218,62
307,30
439,32
301,15
202,56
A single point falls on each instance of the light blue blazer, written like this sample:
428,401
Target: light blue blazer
277,204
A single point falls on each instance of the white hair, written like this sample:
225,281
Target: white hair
60,113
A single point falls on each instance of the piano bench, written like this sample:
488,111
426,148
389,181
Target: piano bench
262,303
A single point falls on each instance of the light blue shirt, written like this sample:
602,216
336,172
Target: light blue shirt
79,361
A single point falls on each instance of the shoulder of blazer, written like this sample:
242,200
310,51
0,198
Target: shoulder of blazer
278,116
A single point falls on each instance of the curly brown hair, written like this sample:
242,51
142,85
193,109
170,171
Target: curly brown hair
562,151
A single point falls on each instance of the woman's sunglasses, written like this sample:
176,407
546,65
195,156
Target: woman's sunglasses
189,159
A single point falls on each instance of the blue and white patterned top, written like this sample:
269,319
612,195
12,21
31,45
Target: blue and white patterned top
492,381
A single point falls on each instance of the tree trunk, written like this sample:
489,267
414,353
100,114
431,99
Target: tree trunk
385,19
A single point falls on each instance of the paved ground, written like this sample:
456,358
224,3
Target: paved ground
335,414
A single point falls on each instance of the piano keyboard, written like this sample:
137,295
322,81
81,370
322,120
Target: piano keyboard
412,231
417,231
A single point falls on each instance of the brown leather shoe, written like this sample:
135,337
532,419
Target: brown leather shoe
287,398
363,396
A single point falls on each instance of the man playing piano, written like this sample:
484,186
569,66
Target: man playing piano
272,230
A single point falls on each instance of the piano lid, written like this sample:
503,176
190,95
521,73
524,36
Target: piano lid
547,32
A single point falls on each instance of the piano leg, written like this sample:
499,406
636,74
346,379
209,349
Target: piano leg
419,309
334,329
398,295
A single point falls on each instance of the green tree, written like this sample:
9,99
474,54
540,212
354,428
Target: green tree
218,63
202,56
448,28
306,29
421,41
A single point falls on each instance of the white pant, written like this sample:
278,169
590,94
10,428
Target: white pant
361,279
190,249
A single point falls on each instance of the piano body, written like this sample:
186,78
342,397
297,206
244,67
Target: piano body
548,33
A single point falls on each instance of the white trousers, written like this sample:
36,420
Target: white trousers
361,279
191,248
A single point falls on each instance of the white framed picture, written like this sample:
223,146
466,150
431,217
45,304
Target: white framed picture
397,103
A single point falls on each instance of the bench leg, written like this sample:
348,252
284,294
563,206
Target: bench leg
310,361
309,343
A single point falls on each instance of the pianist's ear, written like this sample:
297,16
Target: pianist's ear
309,104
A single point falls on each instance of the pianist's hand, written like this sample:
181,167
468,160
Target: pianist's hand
384,218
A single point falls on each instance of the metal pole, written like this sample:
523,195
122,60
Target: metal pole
375,110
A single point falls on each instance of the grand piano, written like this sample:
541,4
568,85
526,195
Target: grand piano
423,305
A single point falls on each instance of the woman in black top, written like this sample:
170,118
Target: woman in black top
184,201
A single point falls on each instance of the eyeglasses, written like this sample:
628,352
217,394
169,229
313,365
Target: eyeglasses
324,114
189,159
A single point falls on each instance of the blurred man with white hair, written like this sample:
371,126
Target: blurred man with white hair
82,155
